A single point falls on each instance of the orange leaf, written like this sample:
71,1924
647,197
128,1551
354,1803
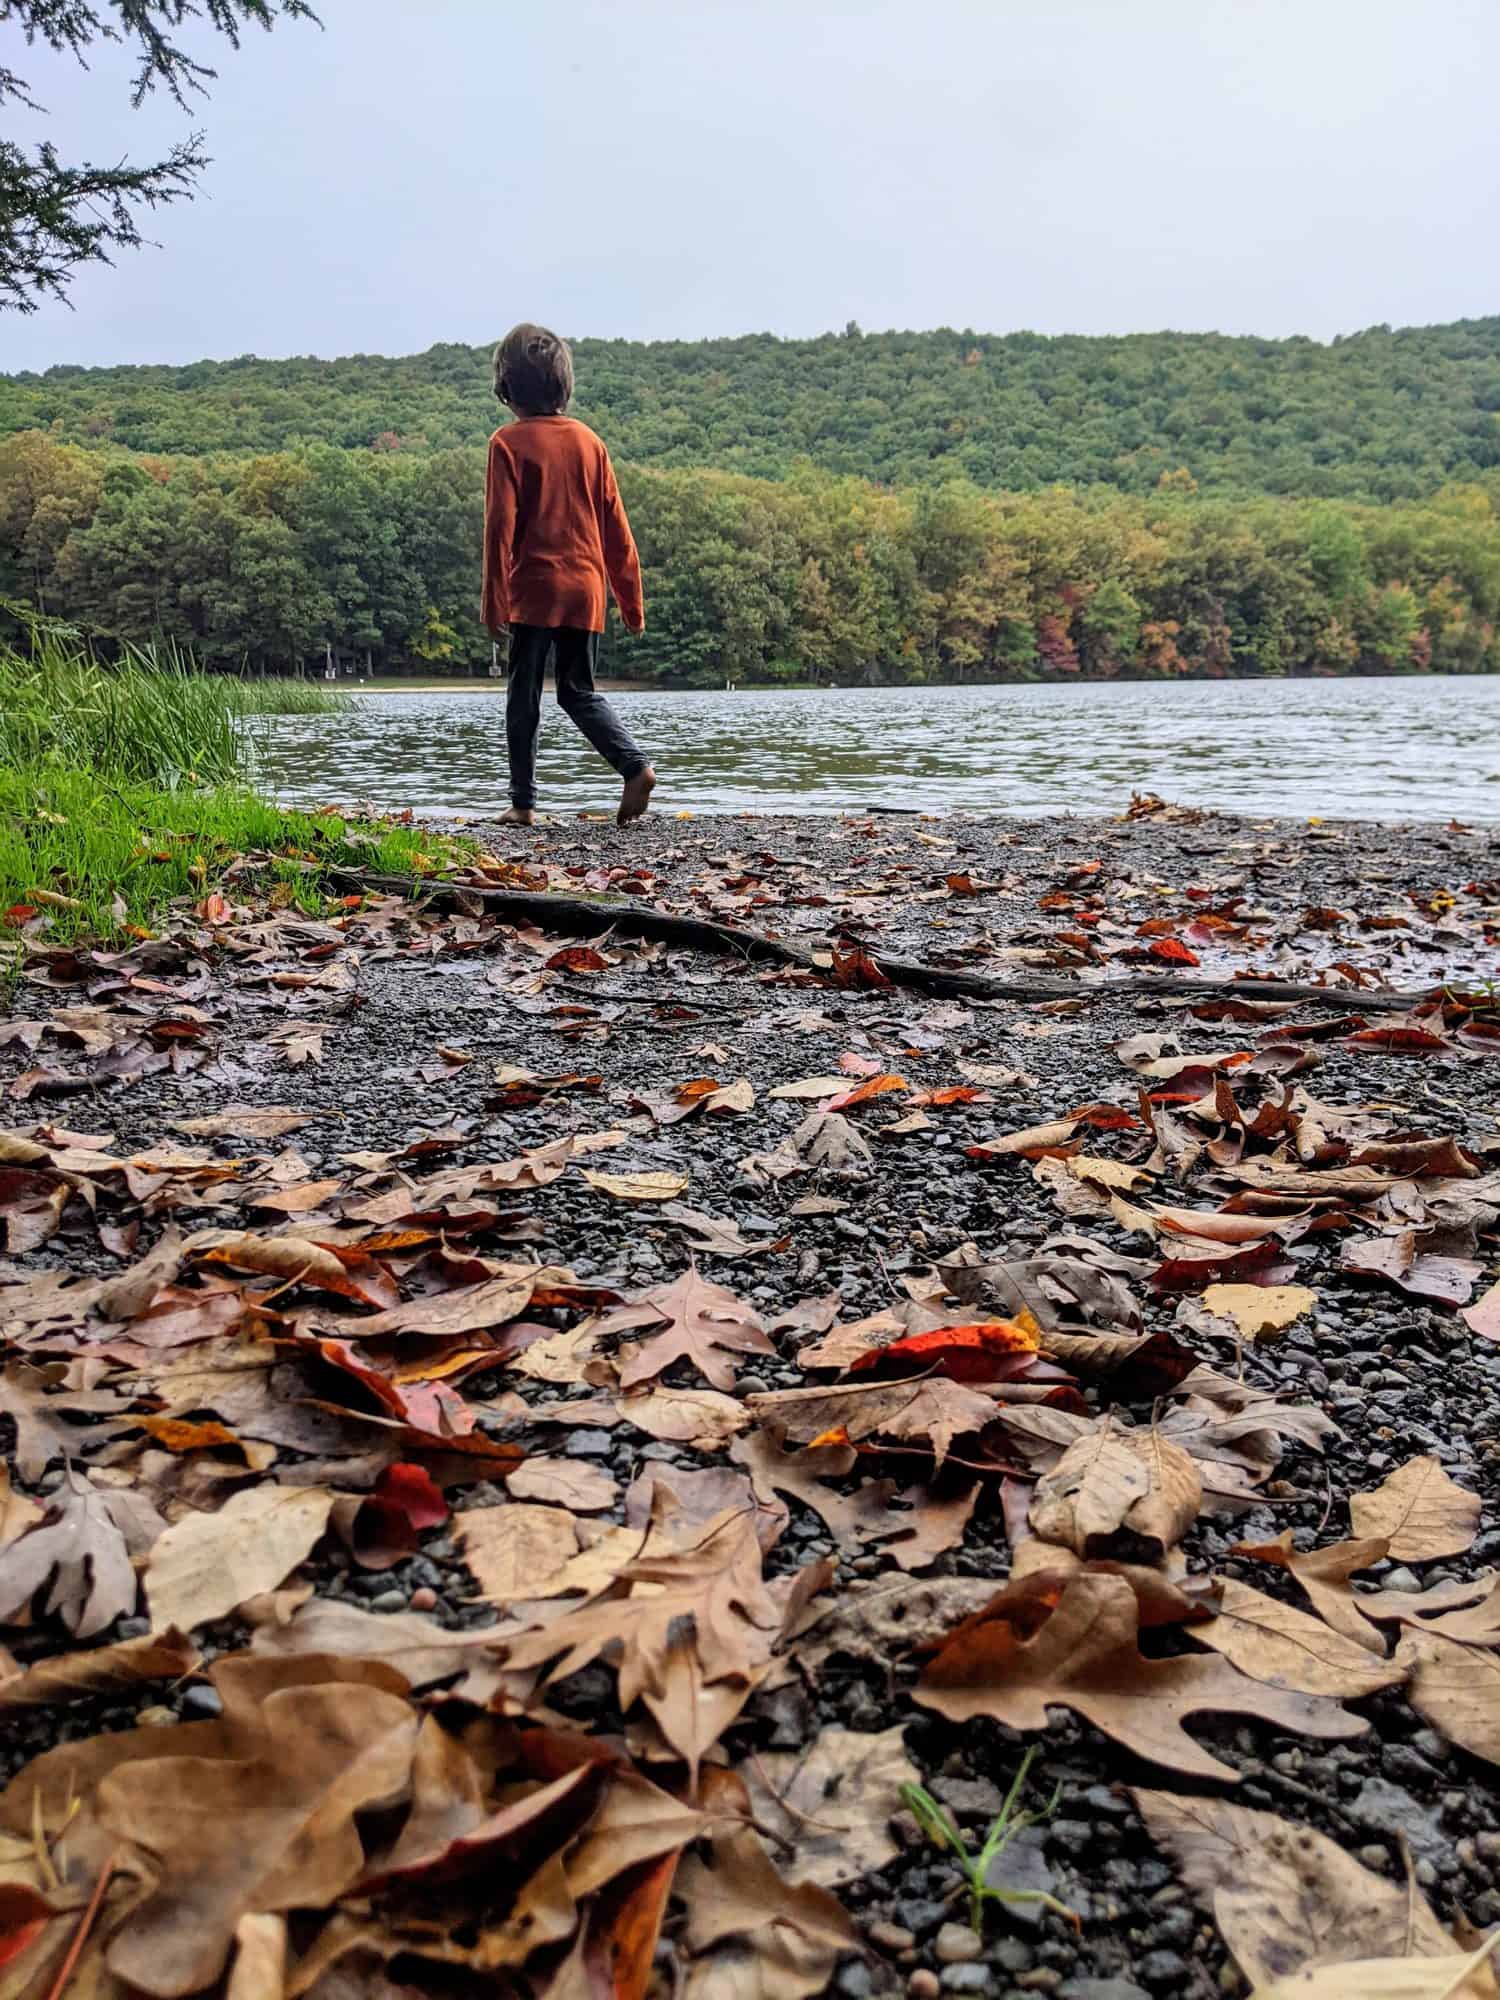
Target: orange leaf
577,958
1174,951
838,1435
855,967
985,1351
875,1086
178,1435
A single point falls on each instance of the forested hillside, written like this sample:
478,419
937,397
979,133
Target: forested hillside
259,561
1380,415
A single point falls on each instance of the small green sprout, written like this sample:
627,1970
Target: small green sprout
940,1828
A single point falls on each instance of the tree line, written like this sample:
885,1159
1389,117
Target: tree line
1379,415
260,562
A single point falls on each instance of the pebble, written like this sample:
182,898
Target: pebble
1100,1989
202,1701
589,1444
1165,1971
1043,1980
1012,1954
389,1600
969,1795
423,1599
890,1937
855,1981
924,1985
956,1943
156,1718
967,1979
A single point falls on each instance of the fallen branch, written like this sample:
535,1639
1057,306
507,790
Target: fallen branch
579,916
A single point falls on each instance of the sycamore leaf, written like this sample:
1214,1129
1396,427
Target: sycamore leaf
1421,1512
1285,1898
77,1557
699,1321
1084,1657
206,1565
1449,1978
932,1409
1132,1494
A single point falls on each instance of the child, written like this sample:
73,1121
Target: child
554,531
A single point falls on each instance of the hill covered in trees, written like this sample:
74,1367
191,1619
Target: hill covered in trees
1379,415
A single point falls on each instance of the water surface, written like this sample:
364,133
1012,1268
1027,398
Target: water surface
1361,749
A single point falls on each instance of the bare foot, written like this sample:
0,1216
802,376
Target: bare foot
518,816
636,795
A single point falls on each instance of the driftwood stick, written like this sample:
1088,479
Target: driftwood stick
580,916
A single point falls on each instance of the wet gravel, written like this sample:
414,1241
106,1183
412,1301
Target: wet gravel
1398,1377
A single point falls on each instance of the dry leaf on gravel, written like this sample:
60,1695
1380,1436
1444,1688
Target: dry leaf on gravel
75,1561
701,1418
416,1647
1272,1641
518,1552
1459,1976
104,1670
699,1321
832,1801
1084,1657
1286,1898
934,1410
206,1565
1131,1494
1483,1317
563,1482
637,1187
1456,1688
246,1121
1324,1574
319,1755
1259,1309
753,1935
1420,1511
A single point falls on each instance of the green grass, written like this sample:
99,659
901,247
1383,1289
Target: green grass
122,853
123,791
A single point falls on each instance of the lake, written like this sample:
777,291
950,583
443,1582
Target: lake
1361,749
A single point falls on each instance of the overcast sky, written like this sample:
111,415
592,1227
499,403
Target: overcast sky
677,168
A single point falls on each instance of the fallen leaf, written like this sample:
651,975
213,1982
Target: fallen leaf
1420,1511
637,1187
1128,1494
246,1121
517,1551
831,1802
563,1482
700,1322
1455,1688
1259,1309
1084,1656
1285,1898
934,1410
1275,1642
1324,1574
104,1670
75,1561
206,1565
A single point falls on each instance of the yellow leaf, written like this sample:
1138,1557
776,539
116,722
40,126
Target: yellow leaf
1259,1309
637,1187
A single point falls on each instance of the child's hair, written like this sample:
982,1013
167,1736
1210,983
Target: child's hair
534,371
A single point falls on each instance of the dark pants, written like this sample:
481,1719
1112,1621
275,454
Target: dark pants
577,654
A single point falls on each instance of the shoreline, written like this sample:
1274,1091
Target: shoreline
427,1029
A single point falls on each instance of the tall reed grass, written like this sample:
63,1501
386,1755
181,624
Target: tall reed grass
123,791
146,717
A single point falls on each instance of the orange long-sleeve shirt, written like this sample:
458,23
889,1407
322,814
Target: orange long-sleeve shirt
555,530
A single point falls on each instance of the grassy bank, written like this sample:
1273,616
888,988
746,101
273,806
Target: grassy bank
122,792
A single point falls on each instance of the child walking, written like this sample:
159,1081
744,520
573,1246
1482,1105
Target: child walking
555,533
